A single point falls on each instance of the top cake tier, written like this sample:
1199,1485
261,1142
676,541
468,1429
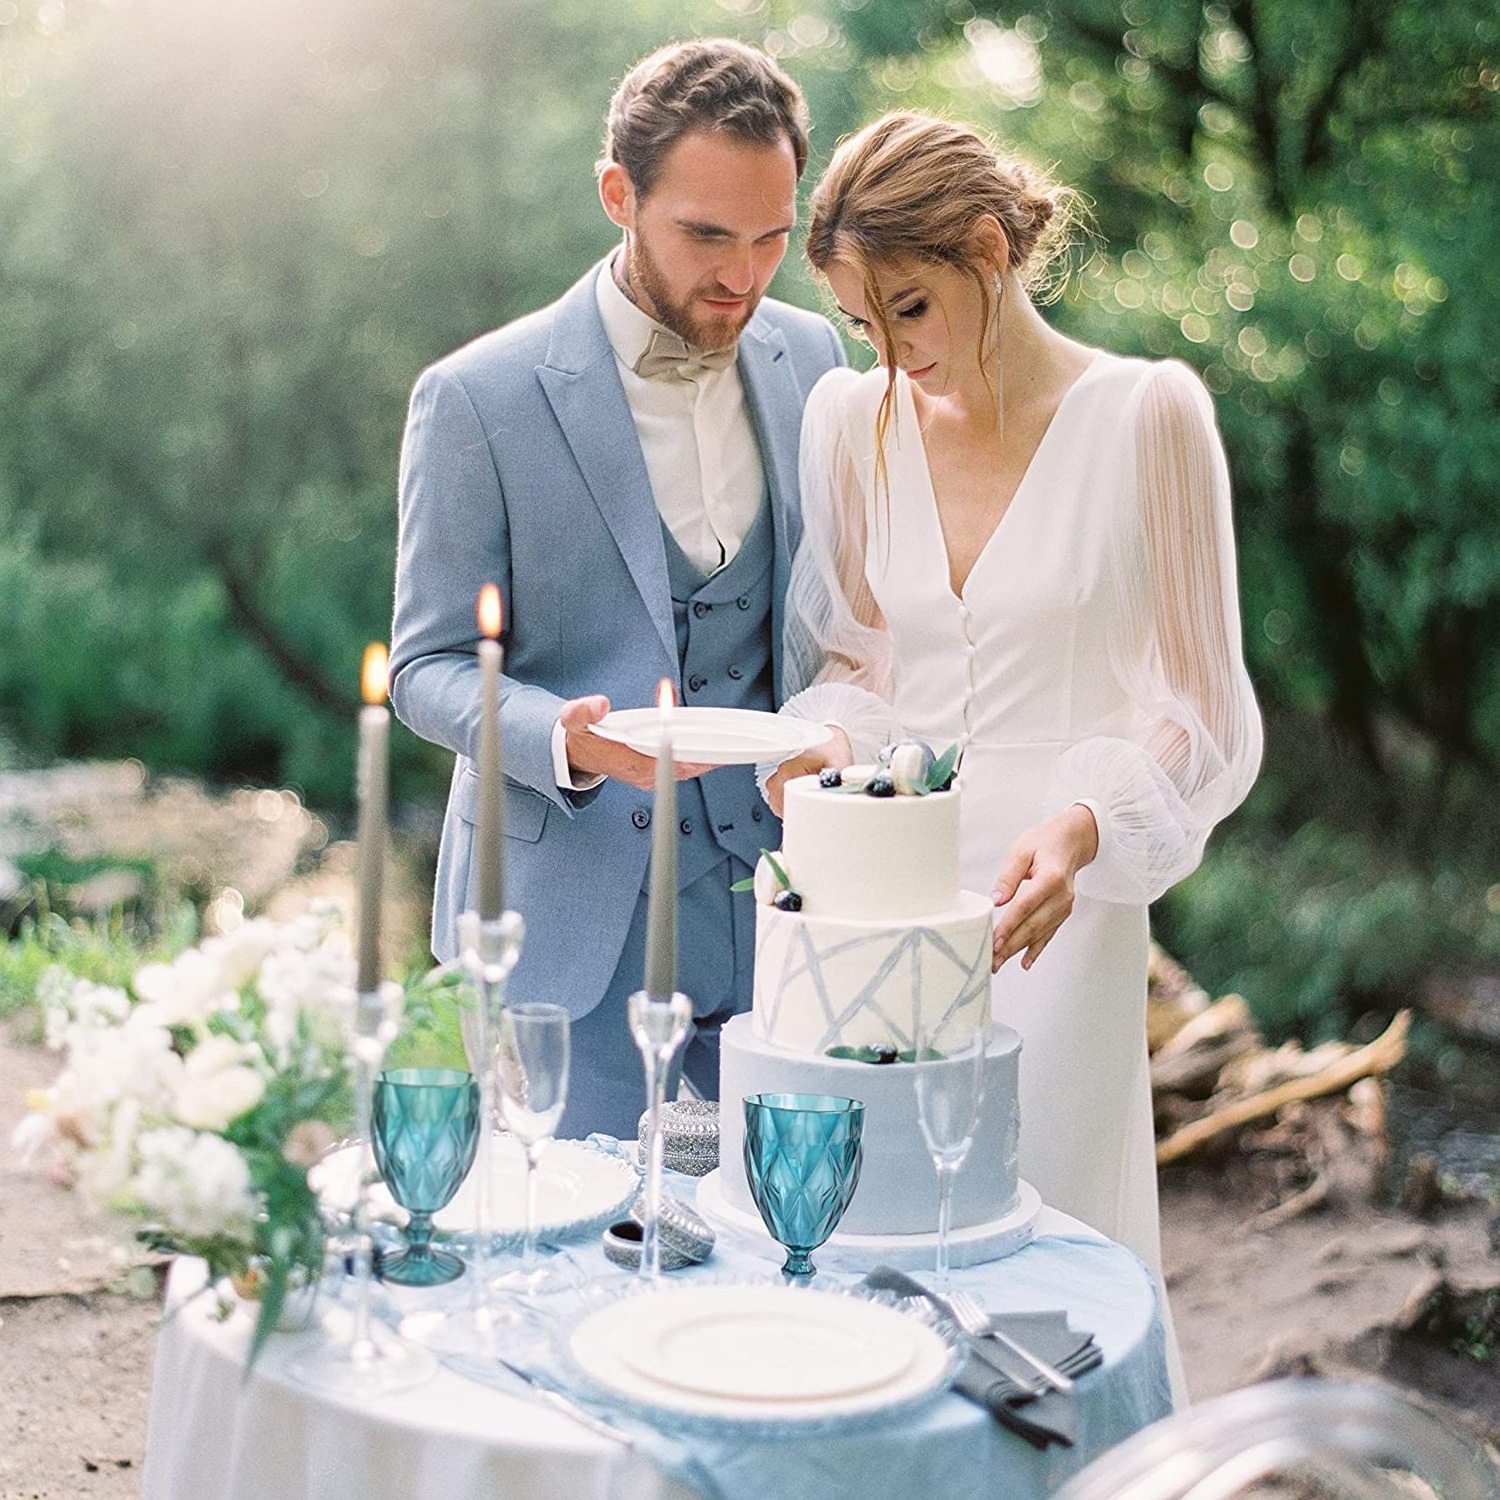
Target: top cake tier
870,858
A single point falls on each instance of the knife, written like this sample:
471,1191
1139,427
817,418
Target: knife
569,1407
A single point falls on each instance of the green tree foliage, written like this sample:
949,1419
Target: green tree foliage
231,234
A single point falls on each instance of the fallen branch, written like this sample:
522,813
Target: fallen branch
1379,1056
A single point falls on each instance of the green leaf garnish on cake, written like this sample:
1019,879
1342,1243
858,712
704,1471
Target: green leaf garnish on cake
940,777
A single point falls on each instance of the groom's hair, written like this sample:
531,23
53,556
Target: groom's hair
715,84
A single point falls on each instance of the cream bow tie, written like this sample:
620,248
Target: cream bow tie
668,355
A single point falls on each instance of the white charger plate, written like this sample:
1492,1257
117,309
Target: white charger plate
759,1353
577,1189
713,736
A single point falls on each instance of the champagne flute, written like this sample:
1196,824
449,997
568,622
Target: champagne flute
531,1062
950,1089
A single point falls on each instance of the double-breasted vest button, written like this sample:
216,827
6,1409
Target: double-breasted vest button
700,609
686,825
755,815
641,818
696,684
735,673
743,601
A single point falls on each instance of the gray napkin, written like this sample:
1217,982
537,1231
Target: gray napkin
1040,1420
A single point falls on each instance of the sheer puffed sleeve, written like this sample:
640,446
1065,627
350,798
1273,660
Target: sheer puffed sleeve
1195,745
837,658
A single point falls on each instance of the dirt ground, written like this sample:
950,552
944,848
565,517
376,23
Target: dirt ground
1321,1291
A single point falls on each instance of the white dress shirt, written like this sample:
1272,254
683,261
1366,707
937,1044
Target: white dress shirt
701,455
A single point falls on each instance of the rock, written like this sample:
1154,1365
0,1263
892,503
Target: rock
1469,1003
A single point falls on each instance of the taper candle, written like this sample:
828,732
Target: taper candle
371,791
491,830
661,906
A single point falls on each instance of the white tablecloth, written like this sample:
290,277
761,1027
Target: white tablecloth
215,1434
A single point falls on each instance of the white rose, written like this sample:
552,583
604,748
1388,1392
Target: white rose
187,991
198,1186
216,1086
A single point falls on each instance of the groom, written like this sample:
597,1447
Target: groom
623,464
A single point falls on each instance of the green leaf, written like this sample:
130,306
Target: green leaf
943,769
776,869
748,884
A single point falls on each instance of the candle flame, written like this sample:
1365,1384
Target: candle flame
374,675
489,611
665,697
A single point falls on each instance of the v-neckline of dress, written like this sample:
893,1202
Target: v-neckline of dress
961,595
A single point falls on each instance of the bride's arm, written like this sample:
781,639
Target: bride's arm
1196,748
836,661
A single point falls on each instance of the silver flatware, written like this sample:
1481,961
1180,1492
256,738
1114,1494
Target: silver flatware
972,1318
569,1407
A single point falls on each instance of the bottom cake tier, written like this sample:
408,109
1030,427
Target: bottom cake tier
897,1191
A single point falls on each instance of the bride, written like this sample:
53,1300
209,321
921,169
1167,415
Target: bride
1022,545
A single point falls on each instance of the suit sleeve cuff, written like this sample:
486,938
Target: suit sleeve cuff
562,772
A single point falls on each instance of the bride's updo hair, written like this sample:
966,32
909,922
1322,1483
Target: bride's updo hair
913,187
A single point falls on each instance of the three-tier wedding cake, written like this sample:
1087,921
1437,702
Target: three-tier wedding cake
864,945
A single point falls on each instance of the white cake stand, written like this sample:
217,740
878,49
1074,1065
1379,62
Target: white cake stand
971,1246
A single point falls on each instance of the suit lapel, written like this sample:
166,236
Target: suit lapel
583,386
775,400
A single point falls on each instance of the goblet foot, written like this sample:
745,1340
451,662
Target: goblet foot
427,1267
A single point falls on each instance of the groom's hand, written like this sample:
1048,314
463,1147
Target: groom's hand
592,755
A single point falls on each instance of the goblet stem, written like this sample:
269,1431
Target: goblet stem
946,1172
799,1265
528,1245
418,1237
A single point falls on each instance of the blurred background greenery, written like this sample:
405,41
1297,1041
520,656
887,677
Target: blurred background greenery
231,234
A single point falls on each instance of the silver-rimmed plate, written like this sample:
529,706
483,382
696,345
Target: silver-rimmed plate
758,1355
714,736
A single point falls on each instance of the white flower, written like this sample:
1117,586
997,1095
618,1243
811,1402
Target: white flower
315,984
197,1185
241,952
67,1001
188,990
216,1085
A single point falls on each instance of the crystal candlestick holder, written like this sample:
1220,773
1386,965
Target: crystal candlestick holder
658,1026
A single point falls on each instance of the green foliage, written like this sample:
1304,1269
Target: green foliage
106,952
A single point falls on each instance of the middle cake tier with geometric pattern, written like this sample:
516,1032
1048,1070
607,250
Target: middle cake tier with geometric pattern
826,982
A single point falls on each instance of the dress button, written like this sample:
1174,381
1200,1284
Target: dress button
686,825
696,684
641,818
735,673
743,601
755,815
700,609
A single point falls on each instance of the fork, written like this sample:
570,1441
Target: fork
974,1322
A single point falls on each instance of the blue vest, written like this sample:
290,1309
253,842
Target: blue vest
724,645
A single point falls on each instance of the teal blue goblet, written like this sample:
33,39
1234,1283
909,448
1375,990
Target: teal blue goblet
426,1130
802,1159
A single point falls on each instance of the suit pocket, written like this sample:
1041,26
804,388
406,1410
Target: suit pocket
525,810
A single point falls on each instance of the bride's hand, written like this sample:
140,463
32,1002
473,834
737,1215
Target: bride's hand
1034,889
834,751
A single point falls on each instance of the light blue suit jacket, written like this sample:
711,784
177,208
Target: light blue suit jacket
521,465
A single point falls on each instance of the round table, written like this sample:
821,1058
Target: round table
216,1435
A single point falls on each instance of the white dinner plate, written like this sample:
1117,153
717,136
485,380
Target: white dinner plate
577,1188
759,1353
714,736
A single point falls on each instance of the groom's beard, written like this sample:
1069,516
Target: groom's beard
697,329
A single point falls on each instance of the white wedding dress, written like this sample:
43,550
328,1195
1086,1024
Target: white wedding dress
1094,656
